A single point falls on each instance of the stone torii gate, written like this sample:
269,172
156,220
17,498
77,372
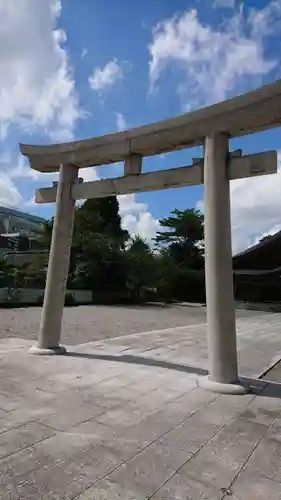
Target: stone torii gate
212,127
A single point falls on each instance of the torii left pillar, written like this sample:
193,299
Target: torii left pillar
51,318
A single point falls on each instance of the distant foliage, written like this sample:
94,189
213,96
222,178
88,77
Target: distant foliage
119,267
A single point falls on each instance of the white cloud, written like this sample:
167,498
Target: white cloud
11,170
136,218
89,174
21,170
9,194
128,204
266,21
216,64
226,4
121,122
31,204
84,53
4,158
37,87
144,225
213,63
255,208
106,76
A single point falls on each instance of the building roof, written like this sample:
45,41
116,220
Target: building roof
265,255
16,213
258,272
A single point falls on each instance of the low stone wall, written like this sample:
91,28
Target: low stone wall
82,296
259,306
33,295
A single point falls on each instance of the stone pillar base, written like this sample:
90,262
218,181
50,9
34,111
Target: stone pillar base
221,388
49,351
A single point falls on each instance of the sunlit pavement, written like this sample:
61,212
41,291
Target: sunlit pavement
124,419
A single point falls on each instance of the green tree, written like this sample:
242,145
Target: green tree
100,266
99,216
8,272
183,226
46,236
33,274
166,272
183,237
99,260
140,265
94,217
106,260
98,241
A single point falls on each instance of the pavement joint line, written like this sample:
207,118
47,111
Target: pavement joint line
112,390
193,455
270,367
147,446
134,399
248,458
203,445
25,447
258,474
18,426
46,468
107,410
66,430
96,383
269,382
192,331
159,437
148,332
114,407
163,330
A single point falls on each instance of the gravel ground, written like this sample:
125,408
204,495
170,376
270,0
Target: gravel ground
88,323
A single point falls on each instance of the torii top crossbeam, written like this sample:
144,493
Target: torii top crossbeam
245,114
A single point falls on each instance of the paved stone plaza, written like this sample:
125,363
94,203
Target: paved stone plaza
122,418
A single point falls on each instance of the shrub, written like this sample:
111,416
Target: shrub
69,299
40,300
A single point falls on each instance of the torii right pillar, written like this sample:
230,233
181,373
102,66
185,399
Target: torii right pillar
223,371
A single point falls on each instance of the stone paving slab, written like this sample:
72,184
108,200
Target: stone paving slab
97,425
184,348
249,486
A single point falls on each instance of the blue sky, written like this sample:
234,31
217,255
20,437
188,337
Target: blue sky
76,69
